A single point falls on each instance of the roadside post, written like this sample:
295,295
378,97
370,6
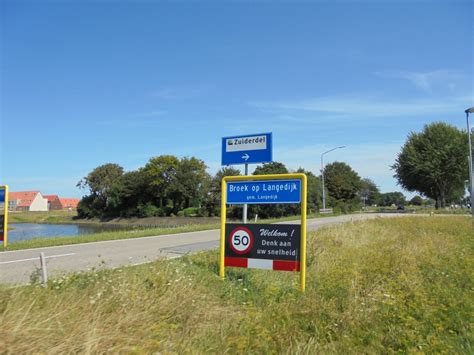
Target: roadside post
4,215
264,246
247,149
44,272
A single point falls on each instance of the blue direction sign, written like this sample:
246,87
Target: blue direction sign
2,194
270,191
252,148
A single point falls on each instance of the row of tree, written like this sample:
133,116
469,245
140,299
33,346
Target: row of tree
164,186
432,163
168,186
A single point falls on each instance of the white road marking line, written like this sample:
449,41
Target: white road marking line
37,258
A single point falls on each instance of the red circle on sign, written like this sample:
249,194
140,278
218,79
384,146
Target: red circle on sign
241,240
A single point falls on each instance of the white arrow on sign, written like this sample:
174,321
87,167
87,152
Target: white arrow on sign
246,156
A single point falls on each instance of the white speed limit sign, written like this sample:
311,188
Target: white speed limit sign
241,240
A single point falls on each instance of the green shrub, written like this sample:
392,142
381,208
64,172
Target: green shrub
147,210
189,212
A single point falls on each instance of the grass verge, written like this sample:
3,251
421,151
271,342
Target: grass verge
380,286
68,217
42,217
113,235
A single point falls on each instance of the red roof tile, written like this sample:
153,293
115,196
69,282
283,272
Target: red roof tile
69,202
25,197
51,198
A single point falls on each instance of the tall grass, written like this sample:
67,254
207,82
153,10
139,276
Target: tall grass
380,286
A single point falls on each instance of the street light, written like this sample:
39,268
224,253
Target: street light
322,172
471,185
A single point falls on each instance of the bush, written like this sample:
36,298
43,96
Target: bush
147,210
209,210
164,211
346,206
416,201
85,208
189,212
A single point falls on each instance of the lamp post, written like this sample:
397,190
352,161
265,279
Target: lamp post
322,172
471,180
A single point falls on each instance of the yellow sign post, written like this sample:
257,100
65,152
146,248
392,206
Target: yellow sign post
263,189
4,216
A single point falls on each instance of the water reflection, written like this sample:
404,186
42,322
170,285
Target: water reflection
25,231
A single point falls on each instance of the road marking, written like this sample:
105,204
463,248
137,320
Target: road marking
37,258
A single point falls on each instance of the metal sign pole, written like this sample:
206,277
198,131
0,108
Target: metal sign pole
304,208
5,217
244,217
223,220
471,163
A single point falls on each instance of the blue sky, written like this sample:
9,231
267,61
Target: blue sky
91,82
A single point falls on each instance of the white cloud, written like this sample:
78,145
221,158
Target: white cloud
369,160
427,81
369,107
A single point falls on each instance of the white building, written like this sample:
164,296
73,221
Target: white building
27,201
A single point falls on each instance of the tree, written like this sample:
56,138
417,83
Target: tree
392,198
341,181
212,198
99,182
434,162
314,190
271,168
416,201
162,171
369,192
186,188
130,193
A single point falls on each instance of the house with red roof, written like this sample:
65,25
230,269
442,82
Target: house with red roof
27,201
54,203
69,203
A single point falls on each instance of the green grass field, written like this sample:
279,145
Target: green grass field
42,217
381,286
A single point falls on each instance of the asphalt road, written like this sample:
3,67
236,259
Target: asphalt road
16,267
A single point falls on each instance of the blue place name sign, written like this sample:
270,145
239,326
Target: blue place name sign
264,192
252,148
2,194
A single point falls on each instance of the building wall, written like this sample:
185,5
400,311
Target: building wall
39,203
55,205
12,205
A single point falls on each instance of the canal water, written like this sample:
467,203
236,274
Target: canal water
25,231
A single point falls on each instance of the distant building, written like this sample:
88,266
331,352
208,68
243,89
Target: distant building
54,203
69,203
27,201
